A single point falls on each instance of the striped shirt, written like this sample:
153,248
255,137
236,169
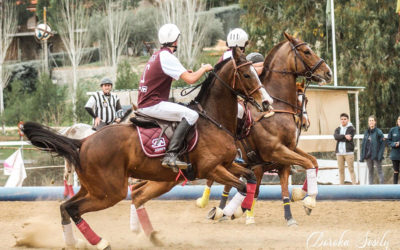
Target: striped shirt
104,107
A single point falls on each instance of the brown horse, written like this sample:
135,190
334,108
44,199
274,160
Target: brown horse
272,141
105,160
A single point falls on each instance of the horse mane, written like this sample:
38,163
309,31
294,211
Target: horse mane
269,57
205,85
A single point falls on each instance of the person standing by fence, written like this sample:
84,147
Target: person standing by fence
372,149
344,135
393,142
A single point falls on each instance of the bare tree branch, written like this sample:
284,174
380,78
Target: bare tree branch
116,31
185,14
8,26
72,23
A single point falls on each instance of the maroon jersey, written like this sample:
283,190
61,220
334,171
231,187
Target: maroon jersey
155,83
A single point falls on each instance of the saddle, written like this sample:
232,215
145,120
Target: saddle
154,135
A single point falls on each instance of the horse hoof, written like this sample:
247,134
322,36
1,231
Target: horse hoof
215,213
238,213
307,210
201,203
292,223
250,220
155,240
103,245
310,202
298,194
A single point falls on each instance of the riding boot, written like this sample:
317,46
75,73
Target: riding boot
175,146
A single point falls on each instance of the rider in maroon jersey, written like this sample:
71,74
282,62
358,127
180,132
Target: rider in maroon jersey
162,68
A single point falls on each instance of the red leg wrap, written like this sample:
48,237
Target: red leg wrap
248,201
305,182
85,229
145,221
71,191
65,188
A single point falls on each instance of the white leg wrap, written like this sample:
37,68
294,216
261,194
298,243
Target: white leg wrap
312,188
233,204
134,220
68,235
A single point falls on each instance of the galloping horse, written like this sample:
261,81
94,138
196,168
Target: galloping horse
271,144
105,160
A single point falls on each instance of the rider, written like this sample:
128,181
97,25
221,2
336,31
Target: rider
154,88
107,108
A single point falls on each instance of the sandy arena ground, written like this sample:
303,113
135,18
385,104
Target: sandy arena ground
333,225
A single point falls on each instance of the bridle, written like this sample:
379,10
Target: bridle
247,96
309,71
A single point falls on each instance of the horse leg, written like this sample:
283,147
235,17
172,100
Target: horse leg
283,177
259,173
140,195
66,220
286,156
224,196
203,200
134,219
233,209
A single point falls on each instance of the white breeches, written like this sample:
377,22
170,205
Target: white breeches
240,112
170,111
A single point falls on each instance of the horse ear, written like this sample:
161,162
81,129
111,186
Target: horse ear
236,52
288,37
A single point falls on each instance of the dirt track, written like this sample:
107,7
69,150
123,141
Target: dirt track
349,225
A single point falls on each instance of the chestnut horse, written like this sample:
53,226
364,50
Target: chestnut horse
272,141
105,160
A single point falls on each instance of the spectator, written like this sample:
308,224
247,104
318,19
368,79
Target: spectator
345,147
372,149
393,141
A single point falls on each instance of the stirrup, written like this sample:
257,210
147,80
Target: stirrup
173,163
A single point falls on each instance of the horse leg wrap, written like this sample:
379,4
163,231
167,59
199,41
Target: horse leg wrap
250,213
66,190
68,235
224,198
203,200
145,221
85,229
286,207
233,204
312,188
248,201
71,191
134,220
305,182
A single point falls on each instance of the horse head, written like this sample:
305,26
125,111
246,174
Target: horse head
247,82
305,62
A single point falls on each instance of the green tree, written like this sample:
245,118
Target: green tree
365,39
126,78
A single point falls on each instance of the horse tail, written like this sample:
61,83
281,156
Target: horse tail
48,140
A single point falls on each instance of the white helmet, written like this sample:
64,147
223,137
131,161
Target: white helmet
237,37
168,33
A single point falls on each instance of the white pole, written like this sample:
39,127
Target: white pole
334,44
358,139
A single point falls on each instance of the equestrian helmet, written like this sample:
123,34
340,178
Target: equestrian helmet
237,38
255,57
168,33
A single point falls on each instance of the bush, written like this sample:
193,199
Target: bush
17,108
126,78
82,98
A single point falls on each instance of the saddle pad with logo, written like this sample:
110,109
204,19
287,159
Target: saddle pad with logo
153,146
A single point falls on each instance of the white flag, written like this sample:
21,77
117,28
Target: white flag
14,166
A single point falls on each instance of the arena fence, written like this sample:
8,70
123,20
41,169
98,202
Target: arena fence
192,192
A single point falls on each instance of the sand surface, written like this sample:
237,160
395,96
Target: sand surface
332,225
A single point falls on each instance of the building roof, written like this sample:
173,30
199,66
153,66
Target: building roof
331,87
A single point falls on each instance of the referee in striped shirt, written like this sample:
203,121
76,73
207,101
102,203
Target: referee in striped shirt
103,106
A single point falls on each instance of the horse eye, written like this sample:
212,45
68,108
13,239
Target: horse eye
307,52
246,75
